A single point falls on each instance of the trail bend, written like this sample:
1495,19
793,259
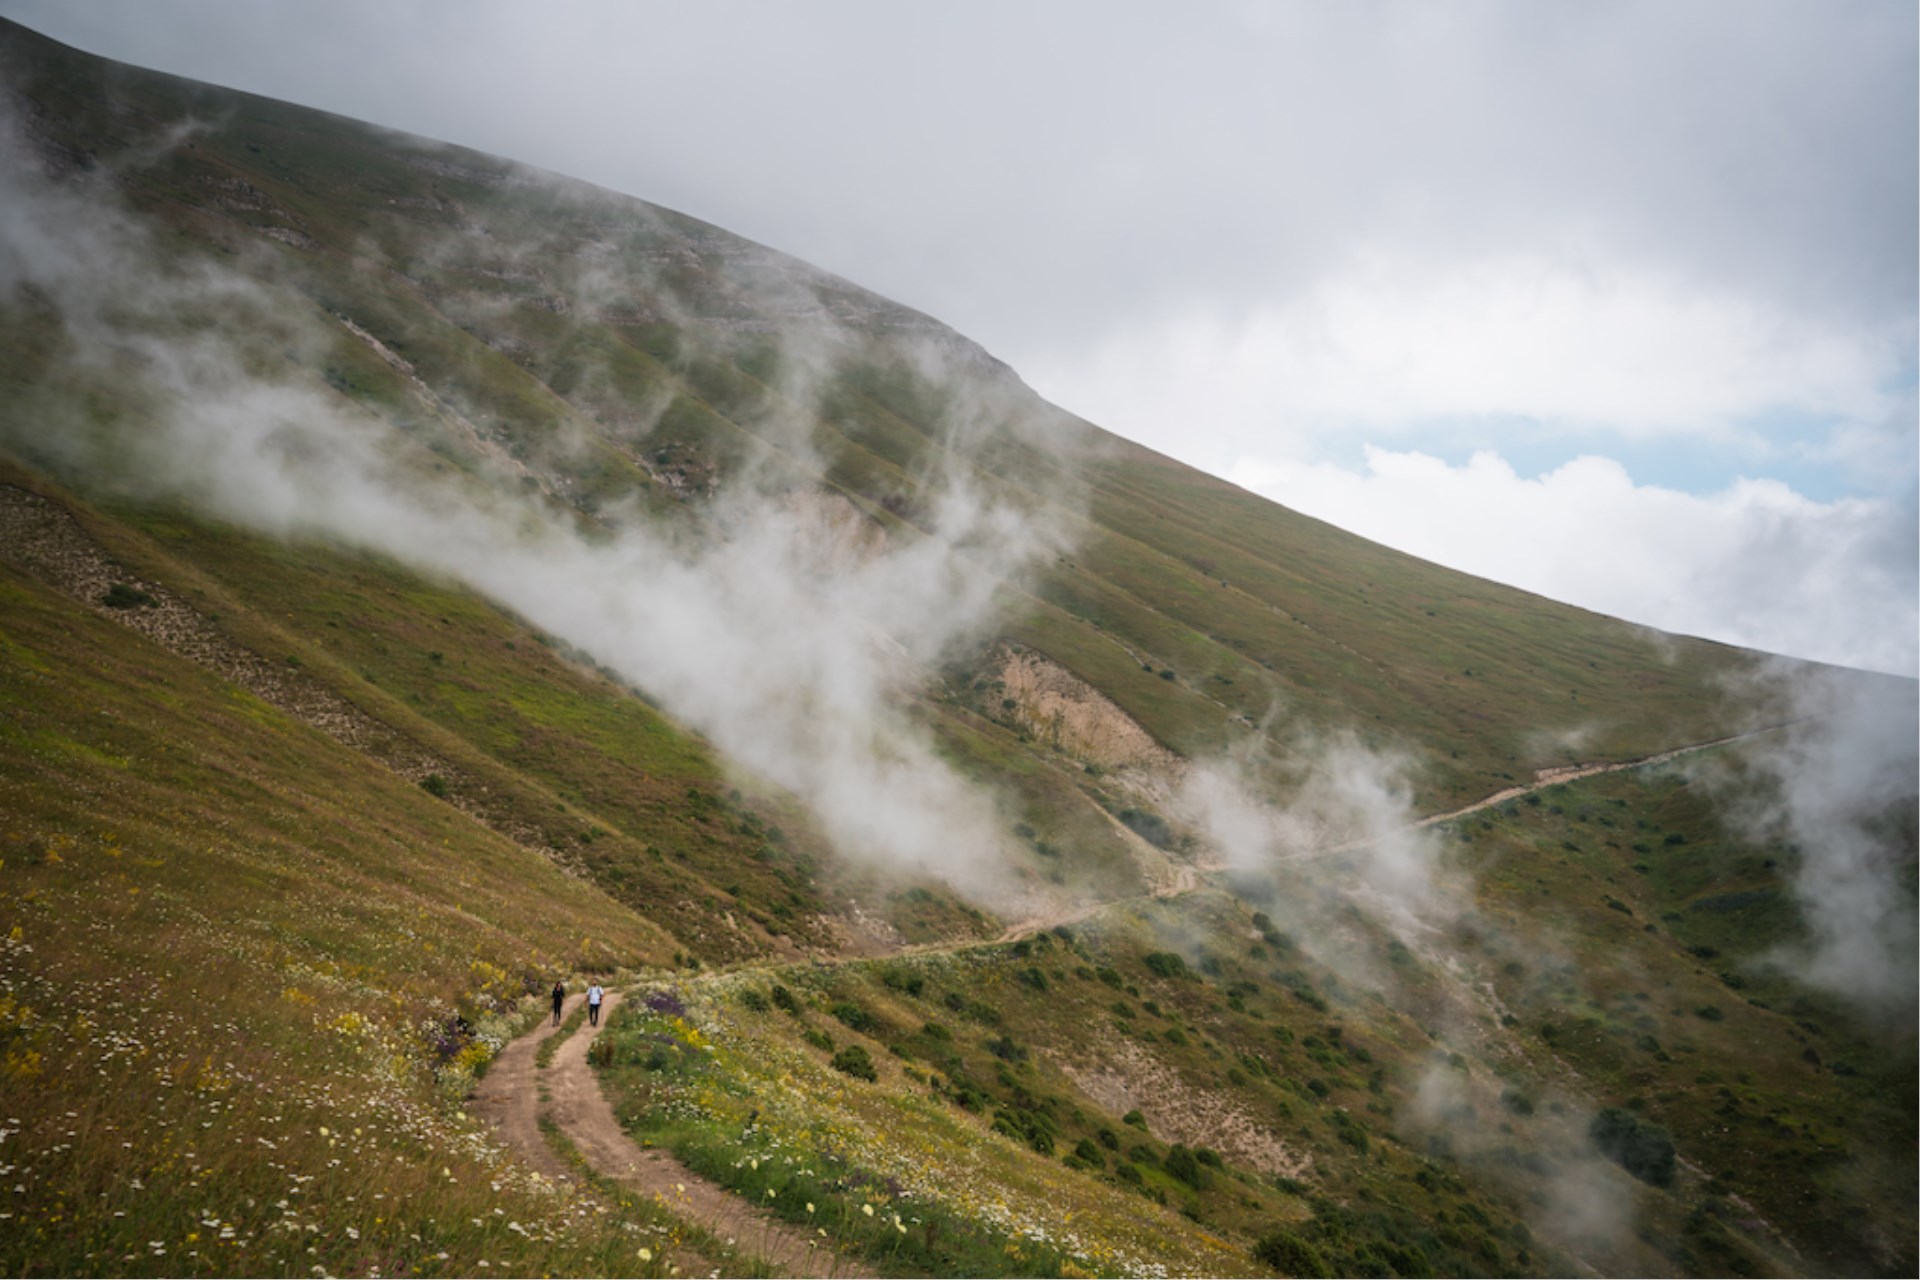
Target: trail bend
510,1096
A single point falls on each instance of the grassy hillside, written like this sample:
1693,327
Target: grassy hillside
297,825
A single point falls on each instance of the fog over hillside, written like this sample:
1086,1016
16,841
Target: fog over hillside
429,580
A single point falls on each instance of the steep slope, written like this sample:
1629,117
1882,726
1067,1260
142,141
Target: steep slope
425,578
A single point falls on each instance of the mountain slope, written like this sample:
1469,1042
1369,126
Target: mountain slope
426,578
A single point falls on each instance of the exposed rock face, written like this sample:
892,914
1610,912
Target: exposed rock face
1073,717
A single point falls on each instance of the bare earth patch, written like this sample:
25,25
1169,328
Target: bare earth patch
1128,1077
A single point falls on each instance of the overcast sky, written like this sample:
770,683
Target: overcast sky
1615,302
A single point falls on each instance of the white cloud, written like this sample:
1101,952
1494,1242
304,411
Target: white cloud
1391,344
1755,564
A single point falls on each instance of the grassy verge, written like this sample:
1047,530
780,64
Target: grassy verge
891,1175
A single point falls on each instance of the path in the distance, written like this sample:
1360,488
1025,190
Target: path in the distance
509,1096
1187,878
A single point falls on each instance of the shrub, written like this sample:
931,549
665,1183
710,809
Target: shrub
1150,827
1089,1155
122,596
1165,964
901,980
1135,1119
1007,1049
783,999
753,998
434,785
1289,1255
855,1016
819,1040
1181,1164
856,1062
1029,1127
1640,1147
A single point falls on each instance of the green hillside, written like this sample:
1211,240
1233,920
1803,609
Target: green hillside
338,726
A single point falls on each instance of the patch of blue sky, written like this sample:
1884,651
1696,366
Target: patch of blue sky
1800,450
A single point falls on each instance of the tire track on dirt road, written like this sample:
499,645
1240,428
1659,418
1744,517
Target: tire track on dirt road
510,1096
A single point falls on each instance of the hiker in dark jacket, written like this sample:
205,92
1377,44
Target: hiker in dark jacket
559,998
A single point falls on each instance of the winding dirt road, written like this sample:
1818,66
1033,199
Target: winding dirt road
1186,878
510,1096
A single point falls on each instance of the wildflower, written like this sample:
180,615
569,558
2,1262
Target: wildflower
809,1206
646,1255
867,1209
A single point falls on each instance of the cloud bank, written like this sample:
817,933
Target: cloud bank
1755,564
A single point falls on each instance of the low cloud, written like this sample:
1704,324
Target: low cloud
1841,786
1755,564
784,624
1346,803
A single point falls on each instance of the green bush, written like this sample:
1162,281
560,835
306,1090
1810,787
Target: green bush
1150,827
855,1016
1288,1254
1029,1127
783,999
1641,1147
856,1062
1182,1164
122,596
434,785
1089,1155
1165,964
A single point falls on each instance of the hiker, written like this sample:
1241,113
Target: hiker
594,996
559,998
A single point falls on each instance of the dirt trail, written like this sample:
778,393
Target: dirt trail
1186,878
510,1097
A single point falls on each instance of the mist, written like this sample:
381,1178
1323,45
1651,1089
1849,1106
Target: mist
783,623
1346,803
1838,786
